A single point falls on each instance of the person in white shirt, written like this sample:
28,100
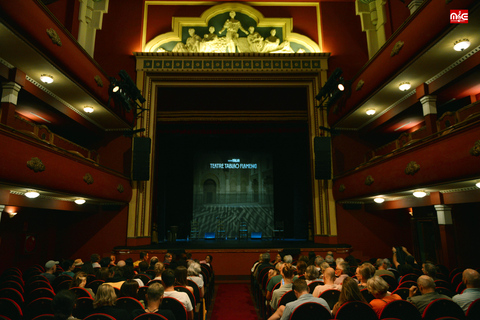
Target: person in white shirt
168,278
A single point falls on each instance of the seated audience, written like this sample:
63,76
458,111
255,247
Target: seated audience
404,262
194,270
430,270
168,258
105,303
80,280
168,278
181,278
311,274
330,259
130,289
301,267
364,272
300,288
50,269
159,268
143,257
426,286
382,267
116,277
155,293
265,263
323,266
278,259
287,280
105,262
257,263
379,289
318,261
471,279
341,271
63,304
68,268
275,276
112,260
329,280
288,259
350,292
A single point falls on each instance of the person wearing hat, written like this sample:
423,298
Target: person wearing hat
50,267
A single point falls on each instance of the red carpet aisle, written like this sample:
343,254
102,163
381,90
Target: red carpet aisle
233,302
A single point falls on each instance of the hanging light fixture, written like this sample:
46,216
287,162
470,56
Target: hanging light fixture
46,78
379,200
80,201
419,194
461,45
32,194
370,112
404,86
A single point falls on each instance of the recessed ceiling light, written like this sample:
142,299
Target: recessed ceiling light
461,45
419,194
379,200
370,112
404,86
31,194
80,201
88,109
478,184
46,78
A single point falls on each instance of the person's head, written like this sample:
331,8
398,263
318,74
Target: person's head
116,272
301,267
339,260
425,284
288,258
265,257
429,269
288,271
194,269
105,262
311,273
153,260
129,289
79,280
155,292
377,287
471,278
168,278
181,275
105,296
94,258
68,265
159,267
63,304
144,255
365,272
121,263
342,268
319,260
300,287
350,291
168,257
329,259
143,266
329,276
51,266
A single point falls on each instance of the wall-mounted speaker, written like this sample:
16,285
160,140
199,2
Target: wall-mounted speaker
323,158
141,158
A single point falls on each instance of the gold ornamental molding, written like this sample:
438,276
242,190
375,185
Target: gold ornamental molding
369,180
88,178
412,168
36,165
396,48
359,85
54,36
120,188
342,188
475,150
98,80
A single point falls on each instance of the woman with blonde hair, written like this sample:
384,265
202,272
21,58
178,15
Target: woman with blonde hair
350,292
80,280
105,303
379,289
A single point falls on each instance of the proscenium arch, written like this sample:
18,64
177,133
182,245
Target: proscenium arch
308,71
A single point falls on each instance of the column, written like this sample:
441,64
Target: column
429,106
414,5
373,19
445,224
90,17
9,100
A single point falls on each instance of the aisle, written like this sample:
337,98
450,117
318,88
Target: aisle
233,302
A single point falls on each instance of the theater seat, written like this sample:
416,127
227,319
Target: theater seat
356,310
331,296
310,310
99,316
150,316
176,307
400,309
442,308
473,311
10,309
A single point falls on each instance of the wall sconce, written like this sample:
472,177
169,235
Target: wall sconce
370,112
88,109
379,200
32,194
419,194
12,214
461,45
80,201
46,78
404,86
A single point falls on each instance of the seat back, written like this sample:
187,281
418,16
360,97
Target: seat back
94,285
367,295
287,297
473,311
38,307
331,296
192,298
60,279
12,284
443,284
99,316
13,294
445,291
129,304
402,310
196,290
392,282
409,277
356,310
175,306
310,310
150,316
44,317
145,279
443,308
142,293
10,309
39,293
64,285
402,292
37,284
83,307
313,284
81,292
407,284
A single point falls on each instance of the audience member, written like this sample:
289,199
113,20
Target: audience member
50,269
364,272
181,278
287,280
471,279
318,261
153,261
80,280
155,294
300,288
329,280
112,260
168,278
288,259
121,263
350,292
265,263
430,270
143,267
194,270
330,260
311,274
78,263
159,268
103,274
105,262
105,303
404,262
63,304
426,286
323,266
341,271
116,277
130,289
379,289
143,257
168,258
311,257
278,258
301,267
275,277
95,260
257,263
382,267
68,267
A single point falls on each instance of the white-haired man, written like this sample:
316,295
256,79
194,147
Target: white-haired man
341,271
426,286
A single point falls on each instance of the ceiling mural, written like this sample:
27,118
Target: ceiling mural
232,28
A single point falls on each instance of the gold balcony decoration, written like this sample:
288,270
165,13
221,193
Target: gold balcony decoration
54,36
369,180
88,178
475,151
120,188
98,80
342,188
396,48
412,168
359,85
36,165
